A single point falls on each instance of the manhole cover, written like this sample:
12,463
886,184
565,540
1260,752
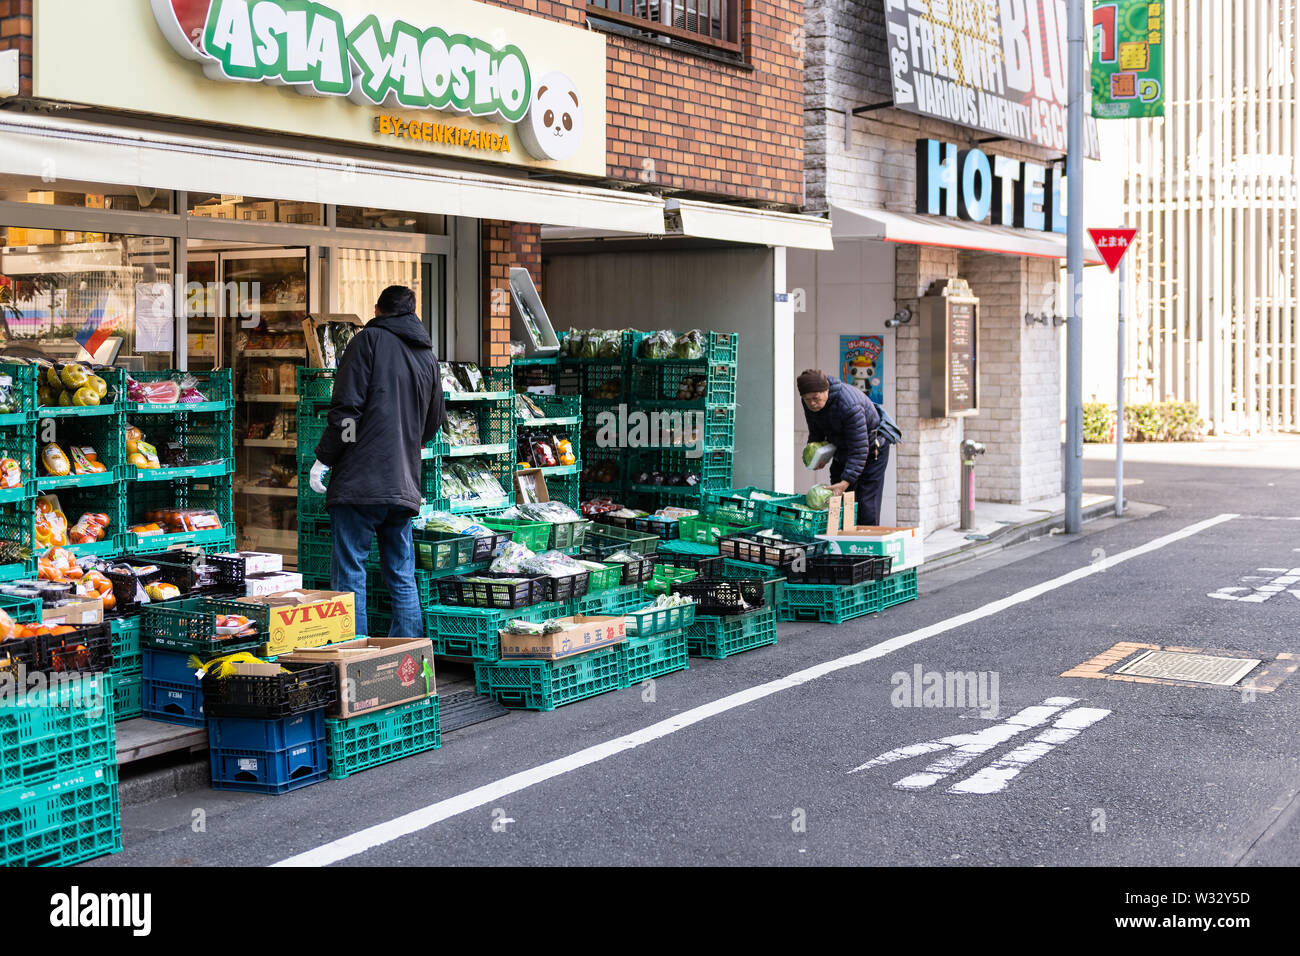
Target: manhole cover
1201,668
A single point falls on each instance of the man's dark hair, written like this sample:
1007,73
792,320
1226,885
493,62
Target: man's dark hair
396,300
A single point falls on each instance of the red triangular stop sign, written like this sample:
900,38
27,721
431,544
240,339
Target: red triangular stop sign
1112,244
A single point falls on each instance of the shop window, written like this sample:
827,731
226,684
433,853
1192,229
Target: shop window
250,209
356,217
97,196
83,300
361,274
710,23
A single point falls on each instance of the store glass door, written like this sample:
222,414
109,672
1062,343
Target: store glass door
250,320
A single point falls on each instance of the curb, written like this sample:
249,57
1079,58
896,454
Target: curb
1012,535
164,783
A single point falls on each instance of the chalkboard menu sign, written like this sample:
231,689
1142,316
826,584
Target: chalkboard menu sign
949,326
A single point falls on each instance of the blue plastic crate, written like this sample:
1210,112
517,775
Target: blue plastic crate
251,733
171,693
269,771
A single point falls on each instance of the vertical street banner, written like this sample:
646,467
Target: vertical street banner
998,67
1128,64
862,359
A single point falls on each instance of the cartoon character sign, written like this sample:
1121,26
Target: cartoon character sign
861,361
553,127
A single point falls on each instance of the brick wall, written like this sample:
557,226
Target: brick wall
684,123
16,34
929,472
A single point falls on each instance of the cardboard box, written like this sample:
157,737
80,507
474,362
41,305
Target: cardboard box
581,633
271,582
222,210
904,545
376,672
258,562
255,212
88,611
530,486
302,213
304,618
31,237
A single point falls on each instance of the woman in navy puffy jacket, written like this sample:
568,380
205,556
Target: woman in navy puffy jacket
847,418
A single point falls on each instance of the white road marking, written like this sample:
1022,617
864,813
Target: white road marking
997,775
965,747
425,817
1260,592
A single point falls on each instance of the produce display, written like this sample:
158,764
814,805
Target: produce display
666,345
552,512
51,522
12,631
178,520
471,481
89,528
516,559
673,479
333,339
11,402
452,524
138,451
819,497
692,387
461,377
603,472
461,428
546,450
593,344
71,384
11,473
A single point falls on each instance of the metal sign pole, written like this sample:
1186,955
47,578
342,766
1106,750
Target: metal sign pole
1074,266
1119,393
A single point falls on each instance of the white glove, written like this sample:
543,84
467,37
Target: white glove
317,481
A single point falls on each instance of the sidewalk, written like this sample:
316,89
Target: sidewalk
998,526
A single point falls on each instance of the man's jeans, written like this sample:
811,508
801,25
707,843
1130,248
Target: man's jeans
353,528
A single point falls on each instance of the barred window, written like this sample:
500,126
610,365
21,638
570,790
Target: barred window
710,22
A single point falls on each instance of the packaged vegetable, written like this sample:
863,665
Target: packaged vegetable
51,526
818,454
162,591
11,473
659,345
55,460
461,428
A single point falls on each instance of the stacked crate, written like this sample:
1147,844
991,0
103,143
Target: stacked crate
58,773
562,413
602,385
18,442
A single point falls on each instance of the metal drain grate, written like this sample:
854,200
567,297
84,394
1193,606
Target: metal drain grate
465,708
1180,665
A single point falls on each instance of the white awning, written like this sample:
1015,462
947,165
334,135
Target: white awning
708,220
860,222
79,151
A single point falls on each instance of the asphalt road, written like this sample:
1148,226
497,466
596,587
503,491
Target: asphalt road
1124,773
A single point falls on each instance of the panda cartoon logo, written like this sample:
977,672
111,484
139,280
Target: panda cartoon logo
552,129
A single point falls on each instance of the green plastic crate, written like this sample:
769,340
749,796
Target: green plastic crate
68,820
652,655
471,632
214,494
127,656
52,731
616,600
369,740
189,626
216,386
659,620
665,576
708,527
24,610
556,409
98,499
22,384
719,637
605,540
443,552
206,436
659,384
610,577
774,581
569,534
741,500
128,696
830,604
795,523
898,588
718,347
533,535
316,384
545,685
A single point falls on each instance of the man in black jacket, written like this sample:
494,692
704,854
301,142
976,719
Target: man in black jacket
847,418
387,405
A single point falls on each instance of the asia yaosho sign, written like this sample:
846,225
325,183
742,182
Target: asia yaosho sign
998,67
